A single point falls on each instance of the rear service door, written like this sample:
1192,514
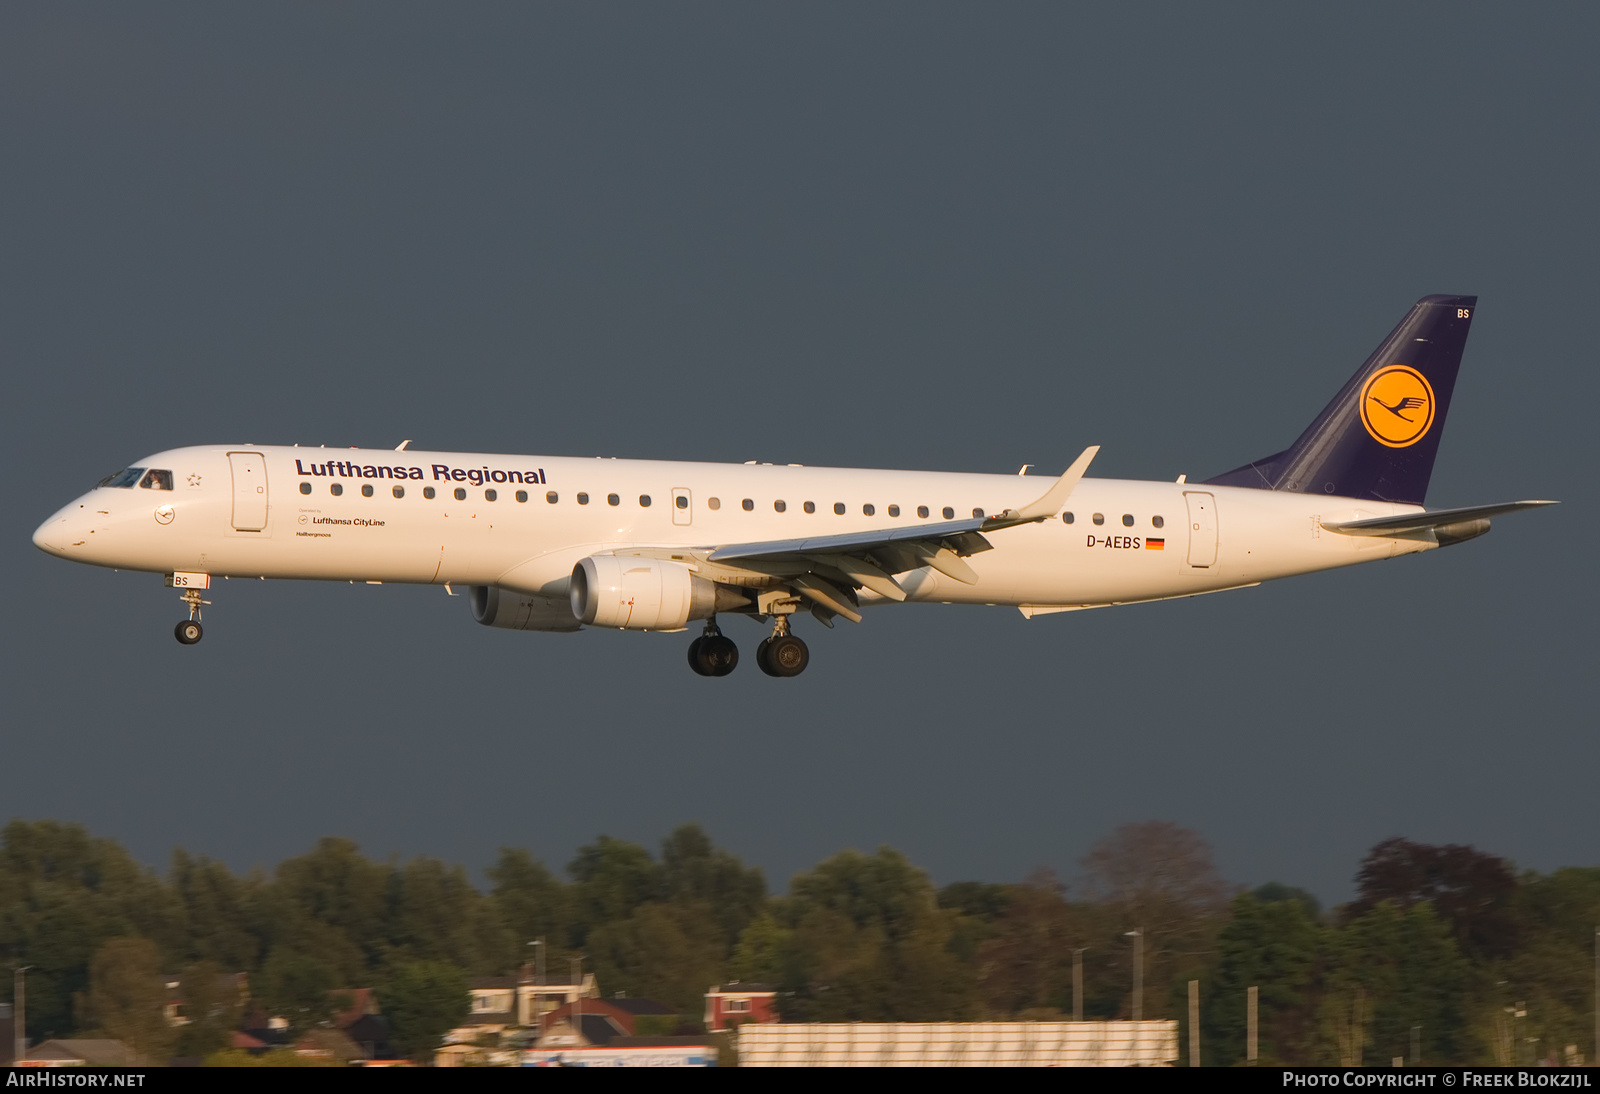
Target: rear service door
682,506
1202,529
249,491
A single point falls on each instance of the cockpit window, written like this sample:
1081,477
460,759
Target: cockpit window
123,478
157,480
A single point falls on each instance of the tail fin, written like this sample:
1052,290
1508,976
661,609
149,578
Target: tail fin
1378,437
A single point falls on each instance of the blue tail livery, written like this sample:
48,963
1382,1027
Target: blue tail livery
1378,437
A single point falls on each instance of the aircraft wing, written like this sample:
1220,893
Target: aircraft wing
1417,522
827,570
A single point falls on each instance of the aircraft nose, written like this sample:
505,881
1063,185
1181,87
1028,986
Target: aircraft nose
56,535
49,536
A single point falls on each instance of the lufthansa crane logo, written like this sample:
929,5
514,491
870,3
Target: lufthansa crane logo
1397,406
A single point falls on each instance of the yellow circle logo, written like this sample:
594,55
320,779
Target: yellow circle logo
1397,406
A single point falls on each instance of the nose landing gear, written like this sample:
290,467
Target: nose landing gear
189,630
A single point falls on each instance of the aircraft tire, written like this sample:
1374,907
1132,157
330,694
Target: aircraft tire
719,655
694,657
188,632
761,657
787,655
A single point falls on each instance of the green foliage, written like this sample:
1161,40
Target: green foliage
423,1000
212,1003
1275,891
531,901
127,998
1484,965
1274,947
298,988
696,873
667,952
611,878
870,943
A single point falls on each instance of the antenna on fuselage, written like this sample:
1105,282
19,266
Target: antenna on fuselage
401,447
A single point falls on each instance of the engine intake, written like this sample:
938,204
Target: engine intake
644,594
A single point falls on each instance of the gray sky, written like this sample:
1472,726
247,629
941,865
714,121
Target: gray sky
955,237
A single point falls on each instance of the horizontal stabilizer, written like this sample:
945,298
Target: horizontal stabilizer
1418,522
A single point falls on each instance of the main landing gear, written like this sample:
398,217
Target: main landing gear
783,654
712,654
189,630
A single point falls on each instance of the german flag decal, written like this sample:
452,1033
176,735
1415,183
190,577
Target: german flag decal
1155,544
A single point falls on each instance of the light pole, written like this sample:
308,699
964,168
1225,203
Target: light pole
577,997
1077,983
19,1012
1138,973
535,1012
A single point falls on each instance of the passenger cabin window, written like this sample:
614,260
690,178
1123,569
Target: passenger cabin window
681,501
583,499
949,513
922,511
366,490
461,493
747,505
157,480
1127,520
869,509
713,503
552,497
491,495
613,499
977,513
522,495
123,478
1067,518
894,510
1099,518
1158,522
810,507
780,506
838,507
336,488
427,492
644,501
399,491
305,488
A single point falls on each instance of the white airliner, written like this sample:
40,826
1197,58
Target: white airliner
554,544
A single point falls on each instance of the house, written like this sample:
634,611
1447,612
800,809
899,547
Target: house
597,1021
734,1003
76,1052
501,1003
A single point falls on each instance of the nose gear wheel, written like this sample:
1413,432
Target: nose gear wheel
189,630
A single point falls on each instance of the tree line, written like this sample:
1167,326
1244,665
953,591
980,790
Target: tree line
1447,953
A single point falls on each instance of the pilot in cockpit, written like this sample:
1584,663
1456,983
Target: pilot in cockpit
157,480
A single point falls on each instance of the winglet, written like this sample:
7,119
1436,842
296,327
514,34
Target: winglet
1054,498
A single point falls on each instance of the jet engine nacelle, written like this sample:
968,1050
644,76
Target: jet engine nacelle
644,594
495,607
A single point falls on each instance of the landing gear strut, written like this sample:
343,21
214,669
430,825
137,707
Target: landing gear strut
712,654
783,654
189,630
